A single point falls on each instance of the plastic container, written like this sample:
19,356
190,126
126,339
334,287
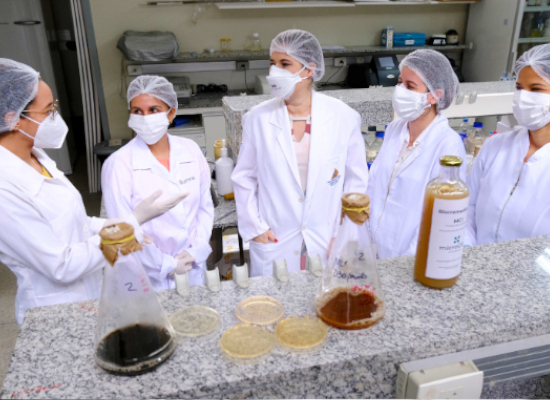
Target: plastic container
389,37
255,44
224,169
195,321
374,148
475,137
441,237
301,334
463,130
247,343
405,39
350,295
223,44
260,310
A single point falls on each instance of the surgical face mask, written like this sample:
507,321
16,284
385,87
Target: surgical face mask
409,105
151,128
283,82
531,109
50,134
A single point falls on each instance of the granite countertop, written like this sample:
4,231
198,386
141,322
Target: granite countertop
501,296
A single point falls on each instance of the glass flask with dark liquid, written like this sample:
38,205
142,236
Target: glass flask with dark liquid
351,296
133,335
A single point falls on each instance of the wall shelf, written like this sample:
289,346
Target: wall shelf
534,40
316,4
537,8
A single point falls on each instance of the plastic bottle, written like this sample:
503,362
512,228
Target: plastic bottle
224,169
463,130
441,237
256,45
374,148
389,37
504,76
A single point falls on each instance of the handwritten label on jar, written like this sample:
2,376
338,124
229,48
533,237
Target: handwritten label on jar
446,238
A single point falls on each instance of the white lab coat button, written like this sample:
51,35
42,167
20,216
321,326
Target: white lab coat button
301,200
296,253
303,228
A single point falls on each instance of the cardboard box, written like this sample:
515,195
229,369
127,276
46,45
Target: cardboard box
231,256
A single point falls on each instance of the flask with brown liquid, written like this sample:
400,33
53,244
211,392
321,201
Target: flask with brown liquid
441,237
133,335
350,295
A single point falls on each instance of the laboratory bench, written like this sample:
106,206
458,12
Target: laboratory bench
501,297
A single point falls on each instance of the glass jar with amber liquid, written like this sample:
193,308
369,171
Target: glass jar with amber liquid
441,237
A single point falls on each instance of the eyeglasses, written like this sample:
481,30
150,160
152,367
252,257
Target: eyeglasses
52,111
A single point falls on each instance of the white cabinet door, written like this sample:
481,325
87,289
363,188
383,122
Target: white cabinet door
214,128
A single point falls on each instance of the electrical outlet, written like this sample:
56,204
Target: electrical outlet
134,70
340,62
242,65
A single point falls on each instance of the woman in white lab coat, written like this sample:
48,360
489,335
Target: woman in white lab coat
155,160
413,145
300,152
510,179
46,239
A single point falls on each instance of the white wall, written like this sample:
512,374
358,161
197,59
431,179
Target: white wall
359,25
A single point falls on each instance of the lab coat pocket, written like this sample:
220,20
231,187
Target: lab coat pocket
262,256
332,171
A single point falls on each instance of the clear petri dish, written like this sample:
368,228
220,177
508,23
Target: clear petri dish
301,334
246,342
260,310
195,321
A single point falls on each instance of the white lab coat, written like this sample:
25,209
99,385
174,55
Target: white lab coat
523,214
396,211
132,174
267,185
46,239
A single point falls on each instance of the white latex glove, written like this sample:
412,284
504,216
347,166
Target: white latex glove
149,208
185,263
112,221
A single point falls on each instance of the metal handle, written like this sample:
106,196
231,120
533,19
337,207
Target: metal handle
26,22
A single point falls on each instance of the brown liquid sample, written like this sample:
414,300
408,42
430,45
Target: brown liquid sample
347,308
447,192
136,349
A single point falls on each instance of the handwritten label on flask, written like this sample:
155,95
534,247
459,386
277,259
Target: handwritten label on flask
446,238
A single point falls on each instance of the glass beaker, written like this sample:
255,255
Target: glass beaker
133,334
350,296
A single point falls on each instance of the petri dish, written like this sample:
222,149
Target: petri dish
301,334
247,342
260,310
195,321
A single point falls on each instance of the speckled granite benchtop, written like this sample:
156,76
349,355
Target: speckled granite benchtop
373,104
502,295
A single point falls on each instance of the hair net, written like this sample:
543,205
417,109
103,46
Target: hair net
302,46
537,58
436,72
153,85
18,86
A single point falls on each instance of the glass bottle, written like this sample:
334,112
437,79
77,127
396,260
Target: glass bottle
350,296
441,236
133,335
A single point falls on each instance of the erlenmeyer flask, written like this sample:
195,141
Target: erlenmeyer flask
350,296
133,335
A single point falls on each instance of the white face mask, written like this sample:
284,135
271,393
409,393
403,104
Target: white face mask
151,128
531,109
283,82
50,134
409,105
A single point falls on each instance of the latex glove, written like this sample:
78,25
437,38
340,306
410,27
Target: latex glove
149,208
112,221
185,263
